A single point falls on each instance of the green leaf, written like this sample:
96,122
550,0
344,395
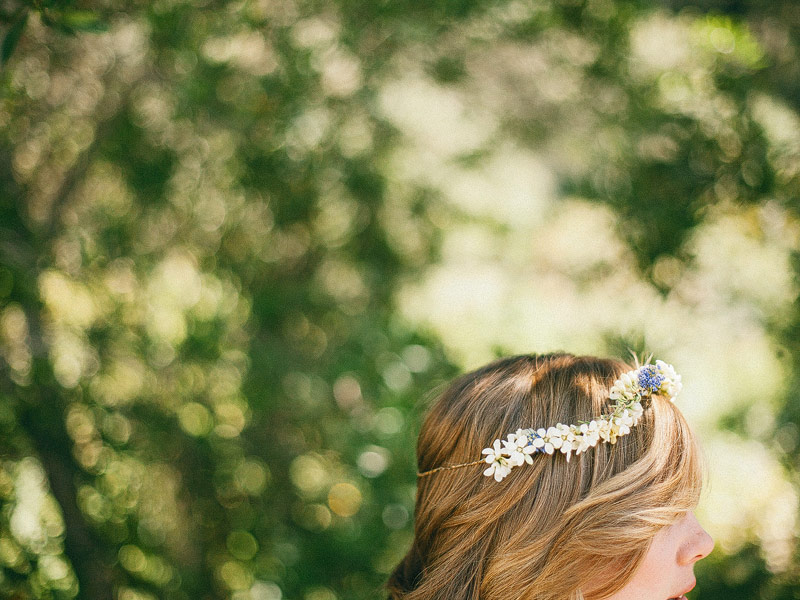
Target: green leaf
12,38
82,20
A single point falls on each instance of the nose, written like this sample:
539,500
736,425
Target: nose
698,544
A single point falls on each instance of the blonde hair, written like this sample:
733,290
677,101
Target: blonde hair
552,529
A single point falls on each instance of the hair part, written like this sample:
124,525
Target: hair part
550,530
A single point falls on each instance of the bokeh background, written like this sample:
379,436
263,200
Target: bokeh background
242,244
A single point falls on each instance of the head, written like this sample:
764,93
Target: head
587,528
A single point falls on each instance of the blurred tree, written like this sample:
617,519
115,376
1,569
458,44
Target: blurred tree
206,391
197,308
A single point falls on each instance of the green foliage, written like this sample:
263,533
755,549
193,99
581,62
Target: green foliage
206,388
12,36
62,16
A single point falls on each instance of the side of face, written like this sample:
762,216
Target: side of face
667,570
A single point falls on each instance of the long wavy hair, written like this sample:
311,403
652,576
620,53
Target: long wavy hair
553,530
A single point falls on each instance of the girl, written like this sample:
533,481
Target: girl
588,497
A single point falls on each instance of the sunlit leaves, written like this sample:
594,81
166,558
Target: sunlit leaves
217,211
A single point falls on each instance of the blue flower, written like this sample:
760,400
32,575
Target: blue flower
649,378
532,435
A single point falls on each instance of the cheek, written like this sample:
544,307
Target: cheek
648,582
657,566
655,577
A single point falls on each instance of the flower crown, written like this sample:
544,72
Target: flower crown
628,391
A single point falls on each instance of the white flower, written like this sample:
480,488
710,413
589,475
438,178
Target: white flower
637,411
499,469
587,437
671,386
585,443
518,449
499,465
666,369
626,387
493,452
566,448
608,431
